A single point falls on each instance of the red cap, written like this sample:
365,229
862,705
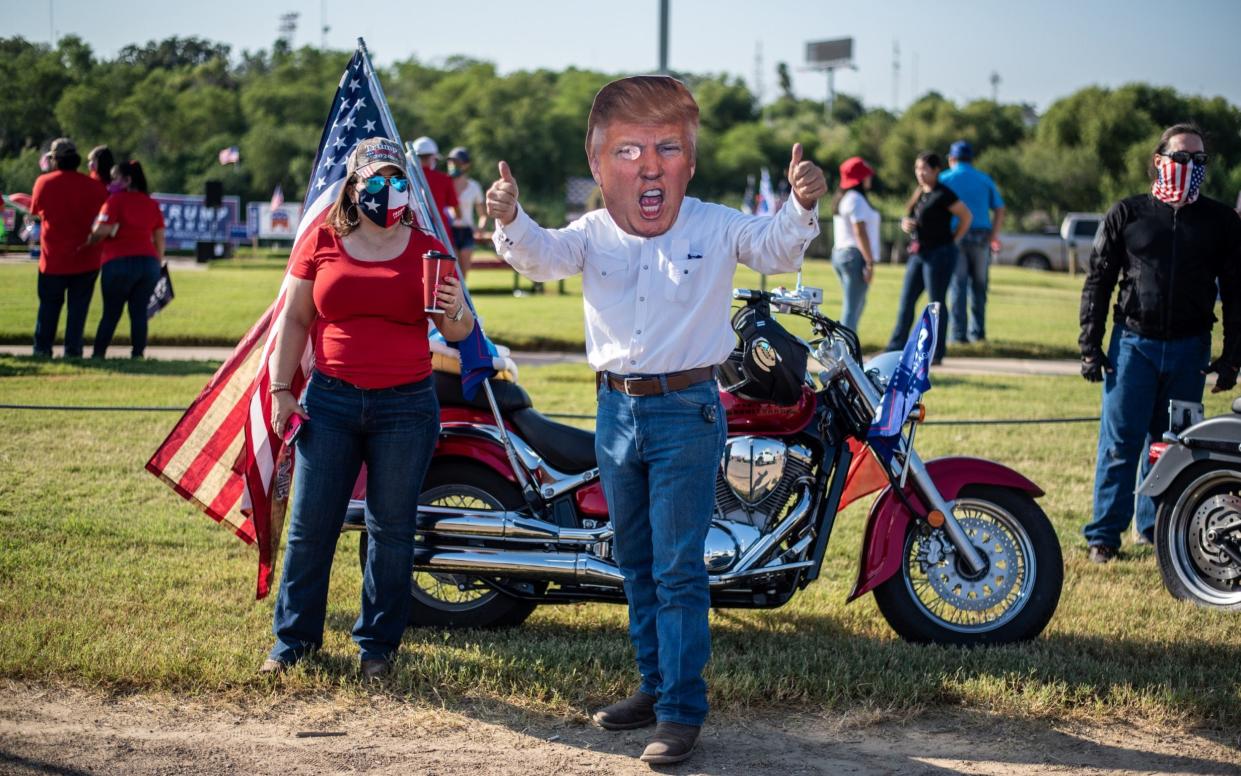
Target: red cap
853,171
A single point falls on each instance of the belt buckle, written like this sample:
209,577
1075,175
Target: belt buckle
626,381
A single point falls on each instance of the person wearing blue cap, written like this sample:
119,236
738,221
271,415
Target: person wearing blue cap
980,194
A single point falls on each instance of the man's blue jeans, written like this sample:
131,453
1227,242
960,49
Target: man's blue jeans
929,270
658,458
127,281
392,430
1149,373
53,291
850,266
970,281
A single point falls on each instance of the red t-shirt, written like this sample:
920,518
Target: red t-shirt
67,201
444,193
139,217
371,330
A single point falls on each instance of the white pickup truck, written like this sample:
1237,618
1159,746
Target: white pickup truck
1051,250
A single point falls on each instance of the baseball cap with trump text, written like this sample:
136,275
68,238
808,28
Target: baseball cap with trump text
372,154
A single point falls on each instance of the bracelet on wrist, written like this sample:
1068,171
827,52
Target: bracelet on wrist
277,387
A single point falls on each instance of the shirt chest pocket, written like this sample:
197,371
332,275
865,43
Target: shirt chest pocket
681,266
605,281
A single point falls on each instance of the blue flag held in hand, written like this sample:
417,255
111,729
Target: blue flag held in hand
911,380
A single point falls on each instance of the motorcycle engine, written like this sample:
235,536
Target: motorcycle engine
756,478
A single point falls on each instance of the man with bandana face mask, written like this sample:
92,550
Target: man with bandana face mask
1172,251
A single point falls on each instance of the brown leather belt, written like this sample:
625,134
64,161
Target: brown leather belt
653,385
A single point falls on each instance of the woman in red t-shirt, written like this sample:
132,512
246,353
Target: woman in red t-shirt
132,229
356,289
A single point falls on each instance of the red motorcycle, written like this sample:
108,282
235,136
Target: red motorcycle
956,550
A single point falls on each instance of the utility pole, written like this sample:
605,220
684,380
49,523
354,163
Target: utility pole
896,75
323,25
758,72
914,96
663,37
288,26
995,86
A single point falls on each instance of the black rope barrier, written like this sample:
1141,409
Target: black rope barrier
562,415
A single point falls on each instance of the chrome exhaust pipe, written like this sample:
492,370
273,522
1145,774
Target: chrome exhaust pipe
574,567
454,523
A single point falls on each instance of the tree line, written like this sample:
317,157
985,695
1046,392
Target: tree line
175,103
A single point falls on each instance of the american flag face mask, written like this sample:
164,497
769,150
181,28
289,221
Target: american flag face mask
1178,182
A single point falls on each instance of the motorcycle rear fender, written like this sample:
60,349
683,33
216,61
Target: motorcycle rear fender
883,542
463,442
1176,459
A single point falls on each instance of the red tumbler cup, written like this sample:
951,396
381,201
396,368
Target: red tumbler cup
438,266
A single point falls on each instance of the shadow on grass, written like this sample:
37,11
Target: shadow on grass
28,366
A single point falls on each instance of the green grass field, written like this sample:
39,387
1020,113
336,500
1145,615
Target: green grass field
109,580
1031,314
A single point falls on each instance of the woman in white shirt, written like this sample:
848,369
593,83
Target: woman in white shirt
855,242
469,202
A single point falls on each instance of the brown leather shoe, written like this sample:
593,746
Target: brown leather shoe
272,666
636,711
1101,553
374,670
672,743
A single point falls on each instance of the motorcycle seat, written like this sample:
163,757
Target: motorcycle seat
510,396
569,449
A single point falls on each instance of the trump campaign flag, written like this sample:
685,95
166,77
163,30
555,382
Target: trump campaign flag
911,379
222,455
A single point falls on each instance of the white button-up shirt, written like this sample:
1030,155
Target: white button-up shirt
659,304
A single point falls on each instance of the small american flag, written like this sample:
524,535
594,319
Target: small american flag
230,155
277,197
1178,184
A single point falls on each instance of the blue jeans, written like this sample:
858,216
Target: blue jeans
53,290
1149,373
392,430
970,281
930,270
658,457
850,265
126,281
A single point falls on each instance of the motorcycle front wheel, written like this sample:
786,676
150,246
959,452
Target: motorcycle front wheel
936,599
1199,510
456,600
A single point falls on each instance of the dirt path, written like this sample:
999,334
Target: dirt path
63,731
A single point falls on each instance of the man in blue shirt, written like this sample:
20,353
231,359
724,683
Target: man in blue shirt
979,193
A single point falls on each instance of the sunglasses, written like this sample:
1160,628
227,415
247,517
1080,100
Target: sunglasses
1185,157
376,183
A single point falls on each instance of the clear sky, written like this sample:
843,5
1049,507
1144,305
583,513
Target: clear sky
1041,49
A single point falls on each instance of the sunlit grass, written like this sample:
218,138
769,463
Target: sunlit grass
108,579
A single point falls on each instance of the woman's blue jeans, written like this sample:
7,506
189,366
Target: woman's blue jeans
1148,374
393,431
128,281
926,271
850,266
658,457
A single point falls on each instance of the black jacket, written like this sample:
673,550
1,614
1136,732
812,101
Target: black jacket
1168,262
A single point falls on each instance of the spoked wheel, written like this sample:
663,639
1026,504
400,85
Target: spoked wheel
1198,522
455,600
935,598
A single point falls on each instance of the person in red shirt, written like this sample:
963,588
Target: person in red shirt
132,230
357,293
100,163
66,201
442,188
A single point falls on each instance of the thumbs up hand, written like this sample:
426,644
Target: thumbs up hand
806,179
502,196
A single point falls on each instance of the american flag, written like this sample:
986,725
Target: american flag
1178,184
766,204
277,197
222,454
230,155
